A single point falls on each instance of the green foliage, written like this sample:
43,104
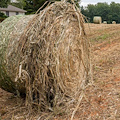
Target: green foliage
2,16
100,38
108,13
77,2
20,3
31,6
4,3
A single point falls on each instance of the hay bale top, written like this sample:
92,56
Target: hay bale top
97,20
104,22
113,22
10,31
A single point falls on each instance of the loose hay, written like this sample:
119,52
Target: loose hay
50,60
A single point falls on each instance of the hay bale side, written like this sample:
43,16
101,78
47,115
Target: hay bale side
50,59
97,20
10,32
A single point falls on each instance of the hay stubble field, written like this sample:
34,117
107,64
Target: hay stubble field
102,99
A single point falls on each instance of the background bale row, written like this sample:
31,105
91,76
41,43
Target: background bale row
98,20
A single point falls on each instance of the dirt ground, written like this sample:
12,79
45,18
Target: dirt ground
102,99
104,96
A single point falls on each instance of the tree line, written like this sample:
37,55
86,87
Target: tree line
108,12
31,6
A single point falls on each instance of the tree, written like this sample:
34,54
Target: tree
29,7
108,13
20,3
2,16
77,2
38,3
4,3
33,5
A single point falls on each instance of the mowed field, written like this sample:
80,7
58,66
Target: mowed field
102,99
104,95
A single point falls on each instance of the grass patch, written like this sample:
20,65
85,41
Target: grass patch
100,38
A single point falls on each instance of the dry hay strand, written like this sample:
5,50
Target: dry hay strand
51,59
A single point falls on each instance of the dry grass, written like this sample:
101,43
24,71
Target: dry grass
103,97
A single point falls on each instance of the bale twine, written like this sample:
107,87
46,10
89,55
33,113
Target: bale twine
50,60
97,20
113,22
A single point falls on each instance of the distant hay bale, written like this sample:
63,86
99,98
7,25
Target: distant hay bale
113,22
97,20
46,57
104,22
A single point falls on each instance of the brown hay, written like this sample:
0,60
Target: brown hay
51,59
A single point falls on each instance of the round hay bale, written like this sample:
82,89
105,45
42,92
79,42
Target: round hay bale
113,22
10,32
104,22
97,20
49,59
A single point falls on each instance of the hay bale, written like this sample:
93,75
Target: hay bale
104,22
50,60
97,20
113,22
10,32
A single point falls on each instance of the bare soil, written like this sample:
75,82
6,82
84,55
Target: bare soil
102,98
